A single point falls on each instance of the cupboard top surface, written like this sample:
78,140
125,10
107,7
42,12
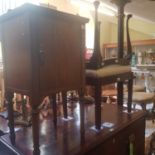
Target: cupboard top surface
30,8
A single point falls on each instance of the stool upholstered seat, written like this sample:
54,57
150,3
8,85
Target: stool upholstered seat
107,71
136,88
143,97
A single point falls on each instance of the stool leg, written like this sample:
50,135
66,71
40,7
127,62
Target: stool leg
130,90
134,106
98,105
120,93
153,110
143,106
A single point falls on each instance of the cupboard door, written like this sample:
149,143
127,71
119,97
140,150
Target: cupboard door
61,66
16,49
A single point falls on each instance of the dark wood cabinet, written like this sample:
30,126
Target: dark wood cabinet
121,141
126,129
43,52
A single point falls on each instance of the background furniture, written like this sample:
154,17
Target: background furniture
143,99
43,51
109,50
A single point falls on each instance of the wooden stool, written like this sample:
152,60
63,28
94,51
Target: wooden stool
101,72
142,99
107,75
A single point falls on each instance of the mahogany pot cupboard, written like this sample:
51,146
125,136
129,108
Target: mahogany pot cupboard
43,52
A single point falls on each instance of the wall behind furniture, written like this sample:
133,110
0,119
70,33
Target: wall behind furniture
139,29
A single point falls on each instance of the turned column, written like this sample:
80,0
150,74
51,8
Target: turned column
120,5
9,97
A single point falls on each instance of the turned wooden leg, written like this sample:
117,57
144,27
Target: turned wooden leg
64,103
134,106
82,116
143,106
120,93
130,90
9,98
35,125
59,97
98,105
54,106
24,108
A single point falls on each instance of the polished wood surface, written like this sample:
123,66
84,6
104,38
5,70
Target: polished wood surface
65,138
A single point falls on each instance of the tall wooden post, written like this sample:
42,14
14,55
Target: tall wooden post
120,4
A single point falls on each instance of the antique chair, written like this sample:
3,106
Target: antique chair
101,72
